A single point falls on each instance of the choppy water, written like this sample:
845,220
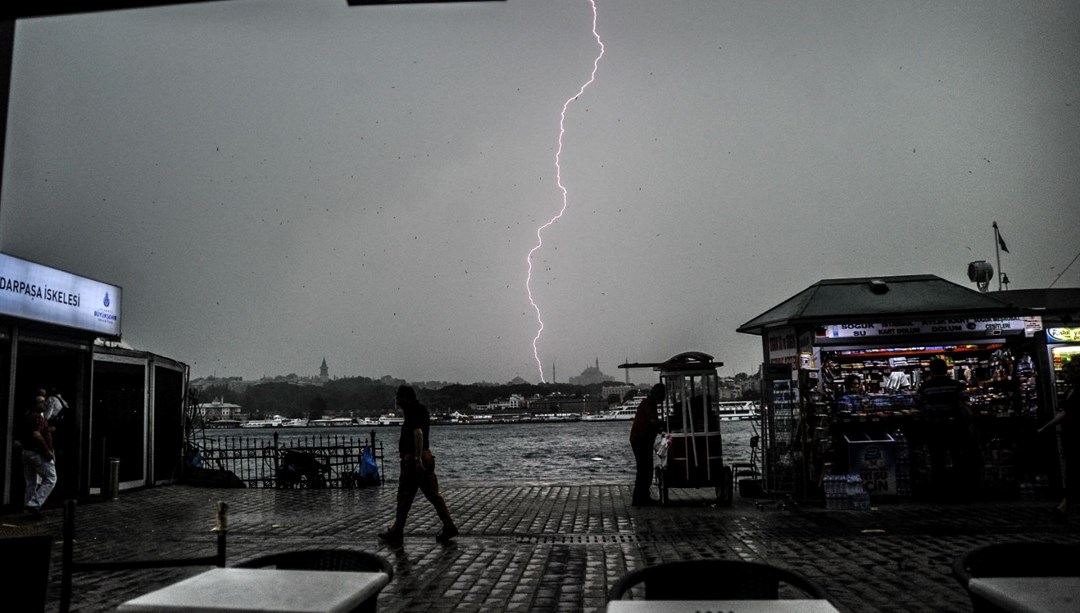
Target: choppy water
581,452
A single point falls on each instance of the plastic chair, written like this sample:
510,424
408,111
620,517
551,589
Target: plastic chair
714,580
1018,559
70,566
322,559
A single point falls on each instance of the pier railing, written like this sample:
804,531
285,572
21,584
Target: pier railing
305,461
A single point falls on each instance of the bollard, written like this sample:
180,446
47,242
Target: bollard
110,490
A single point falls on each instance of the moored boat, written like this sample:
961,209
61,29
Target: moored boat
274,422
390,419
334,422
622,412
738,410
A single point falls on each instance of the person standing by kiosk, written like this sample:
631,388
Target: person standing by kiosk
643,431
947,431
1069,418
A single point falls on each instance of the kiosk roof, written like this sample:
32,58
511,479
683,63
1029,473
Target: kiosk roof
874,298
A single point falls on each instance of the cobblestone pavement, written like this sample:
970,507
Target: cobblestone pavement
546,547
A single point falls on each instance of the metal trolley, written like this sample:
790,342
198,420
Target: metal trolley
691,450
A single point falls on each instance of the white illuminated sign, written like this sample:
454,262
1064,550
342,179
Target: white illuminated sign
36,292
991,326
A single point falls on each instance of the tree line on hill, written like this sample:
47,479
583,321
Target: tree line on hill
364,397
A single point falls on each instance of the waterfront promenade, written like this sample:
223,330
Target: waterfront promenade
546,547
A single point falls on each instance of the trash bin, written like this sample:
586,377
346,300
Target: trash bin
24,569
110,490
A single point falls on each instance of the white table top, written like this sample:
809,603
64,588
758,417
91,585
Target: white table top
721,606
1030,594
263,590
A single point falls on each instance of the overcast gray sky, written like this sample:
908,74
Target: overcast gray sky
276,182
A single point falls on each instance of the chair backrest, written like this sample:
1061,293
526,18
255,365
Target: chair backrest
322,559
1018,559
714,580
24,569
69,566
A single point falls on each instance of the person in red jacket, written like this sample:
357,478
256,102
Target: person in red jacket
39,466
643,433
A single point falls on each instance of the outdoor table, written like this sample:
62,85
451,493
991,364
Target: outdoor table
1029,594
721,606
266,590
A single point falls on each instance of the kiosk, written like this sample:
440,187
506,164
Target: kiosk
858,349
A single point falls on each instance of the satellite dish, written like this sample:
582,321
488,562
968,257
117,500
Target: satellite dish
981,273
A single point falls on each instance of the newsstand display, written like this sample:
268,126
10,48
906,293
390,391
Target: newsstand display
871,395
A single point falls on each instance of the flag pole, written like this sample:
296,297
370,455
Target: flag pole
997,253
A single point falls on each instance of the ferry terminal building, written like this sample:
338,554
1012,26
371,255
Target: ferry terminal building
60,330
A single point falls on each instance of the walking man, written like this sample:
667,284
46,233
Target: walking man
643,431
417,470
39,467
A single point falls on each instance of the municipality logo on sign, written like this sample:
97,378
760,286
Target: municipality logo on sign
105,314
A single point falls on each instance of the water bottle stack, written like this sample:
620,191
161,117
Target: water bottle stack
846,492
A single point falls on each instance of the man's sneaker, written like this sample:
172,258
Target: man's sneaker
392,537
448,532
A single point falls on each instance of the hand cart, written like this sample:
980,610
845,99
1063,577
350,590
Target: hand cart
691,451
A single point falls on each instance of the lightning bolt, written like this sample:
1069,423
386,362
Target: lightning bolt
562,188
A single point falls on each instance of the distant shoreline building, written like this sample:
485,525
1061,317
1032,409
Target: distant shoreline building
217,410
237,384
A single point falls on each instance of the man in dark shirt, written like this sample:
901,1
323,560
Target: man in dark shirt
946,429
643,431
39,468
417,470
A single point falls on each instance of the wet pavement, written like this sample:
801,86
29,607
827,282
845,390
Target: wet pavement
545,547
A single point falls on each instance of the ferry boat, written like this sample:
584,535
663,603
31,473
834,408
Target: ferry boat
224,423
334,422
738,410
390,419
274,422
622,412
